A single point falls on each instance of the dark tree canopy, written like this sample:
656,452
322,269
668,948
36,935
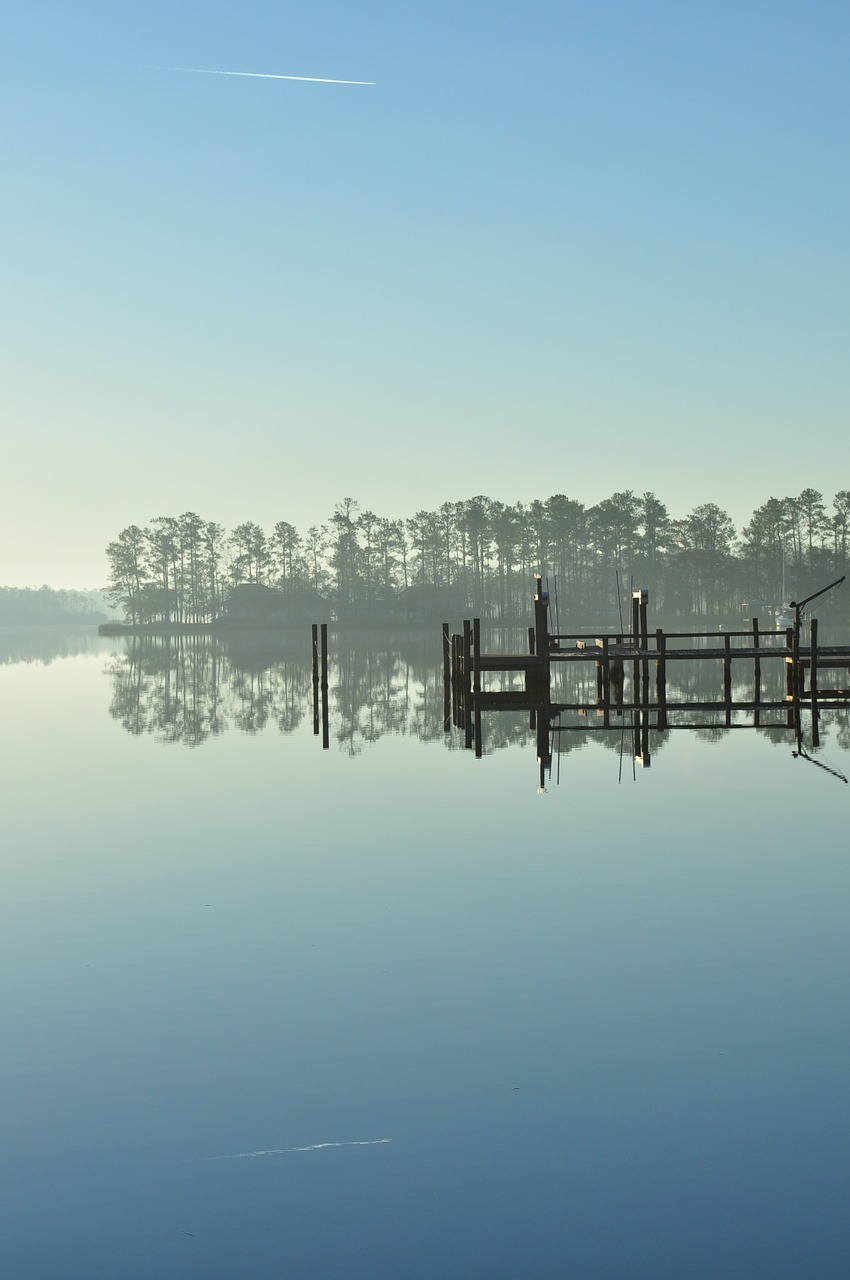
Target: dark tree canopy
480,554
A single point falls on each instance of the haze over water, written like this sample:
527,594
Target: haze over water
268,1010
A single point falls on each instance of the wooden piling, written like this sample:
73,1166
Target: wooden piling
813,670
447,679
644,644
661,677
325,719
476,685
467,681
727,670
456,641
315,667
476,655
540,675
532,715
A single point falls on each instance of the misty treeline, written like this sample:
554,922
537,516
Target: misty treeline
37,606
480,554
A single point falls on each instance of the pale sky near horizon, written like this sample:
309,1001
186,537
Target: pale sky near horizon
557,247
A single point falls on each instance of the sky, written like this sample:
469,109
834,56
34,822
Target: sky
564,246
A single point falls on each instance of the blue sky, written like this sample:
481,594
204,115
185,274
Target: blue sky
572,247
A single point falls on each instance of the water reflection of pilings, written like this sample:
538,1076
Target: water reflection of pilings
584,687
189,689
320,682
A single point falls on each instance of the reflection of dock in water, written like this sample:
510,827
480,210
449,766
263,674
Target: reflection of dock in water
631,674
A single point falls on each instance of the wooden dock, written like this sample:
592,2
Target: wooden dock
623,666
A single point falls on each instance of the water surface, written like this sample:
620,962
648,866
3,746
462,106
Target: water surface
479,1030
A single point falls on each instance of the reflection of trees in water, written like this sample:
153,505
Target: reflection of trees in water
45,644
841,720
380,686
188,689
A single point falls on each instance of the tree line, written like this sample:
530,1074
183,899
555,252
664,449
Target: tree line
40,606
479,554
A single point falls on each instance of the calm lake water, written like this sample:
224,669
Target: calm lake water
269,1011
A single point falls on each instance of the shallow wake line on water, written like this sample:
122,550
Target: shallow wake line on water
316,1146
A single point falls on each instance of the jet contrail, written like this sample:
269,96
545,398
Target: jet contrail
317,1146
264,75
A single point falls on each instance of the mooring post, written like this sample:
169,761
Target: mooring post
532,715
467,681
326,740
447,680
661,677
814,684
727,668
813,668
636,644
541,635
476,655
756,673
315,666
476,685
456,679
606,683
644,644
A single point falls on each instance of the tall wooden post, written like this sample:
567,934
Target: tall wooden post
644,644
467,682
756,673
456,679
315,666
727,674
636,646
326,741
532,715
476,655
813,683
476,685
541,635
447,680
661,677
